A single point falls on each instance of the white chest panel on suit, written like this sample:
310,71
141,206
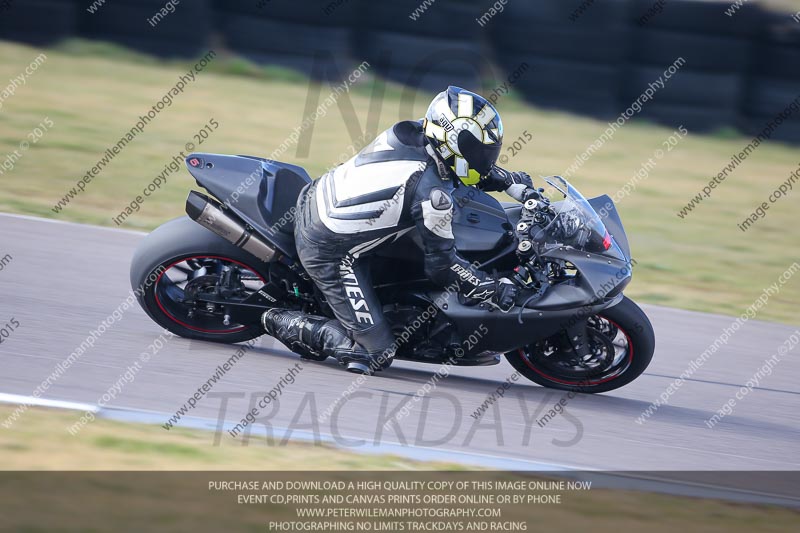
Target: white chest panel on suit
355,199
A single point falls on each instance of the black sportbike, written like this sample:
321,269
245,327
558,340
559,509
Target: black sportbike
211,275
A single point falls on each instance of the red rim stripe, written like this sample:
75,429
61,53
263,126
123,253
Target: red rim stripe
194,328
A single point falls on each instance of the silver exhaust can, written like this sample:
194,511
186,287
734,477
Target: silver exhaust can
202,210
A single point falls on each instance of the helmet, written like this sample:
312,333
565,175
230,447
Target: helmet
466,131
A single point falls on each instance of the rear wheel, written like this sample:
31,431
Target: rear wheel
621,344
184,275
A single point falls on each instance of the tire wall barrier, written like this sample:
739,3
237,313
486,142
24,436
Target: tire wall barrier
740,62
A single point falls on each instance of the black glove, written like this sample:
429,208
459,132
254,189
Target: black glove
505,295
513,183
510,178
500,293
498,179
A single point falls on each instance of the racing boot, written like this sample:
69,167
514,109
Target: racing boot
317,338
303,333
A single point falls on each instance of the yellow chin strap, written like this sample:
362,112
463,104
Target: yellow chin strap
472,177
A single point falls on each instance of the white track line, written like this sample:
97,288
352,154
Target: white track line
68,223
613,480
127,414
44,402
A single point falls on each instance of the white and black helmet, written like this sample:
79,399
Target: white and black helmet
466,130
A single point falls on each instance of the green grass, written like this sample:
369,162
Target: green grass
146,447
94,93
39,440
182,502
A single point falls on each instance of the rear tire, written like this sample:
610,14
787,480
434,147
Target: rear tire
172,243
630,324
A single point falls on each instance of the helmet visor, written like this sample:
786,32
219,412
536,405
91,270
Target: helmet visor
479,155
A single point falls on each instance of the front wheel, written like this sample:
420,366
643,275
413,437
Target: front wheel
621,344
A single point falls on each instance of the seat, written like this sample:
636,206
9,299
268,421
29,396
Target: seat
286,188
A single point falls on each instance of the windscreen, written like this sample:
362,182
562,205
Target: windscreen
575,222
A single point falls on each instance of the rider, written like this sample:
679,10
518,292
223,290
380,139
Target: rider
400,182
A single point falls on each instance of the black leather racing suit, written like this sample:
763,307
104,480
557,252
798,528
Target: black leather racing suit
394,185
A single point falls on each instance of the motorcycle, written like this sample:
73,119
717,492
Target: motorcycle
210,275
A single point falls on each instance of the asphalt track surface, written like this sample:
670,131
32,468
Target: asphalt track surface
65,279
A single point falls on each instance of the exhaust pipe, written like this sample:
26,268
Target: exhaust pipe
208,214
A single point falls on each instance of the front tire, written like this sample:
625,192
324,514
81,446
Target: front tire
623,328
187,248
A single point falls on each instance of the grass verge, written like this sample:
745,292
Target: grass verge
178,503
94,93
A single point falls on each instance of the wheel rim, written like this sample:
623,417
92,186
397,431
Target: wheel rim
171,294
600,366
